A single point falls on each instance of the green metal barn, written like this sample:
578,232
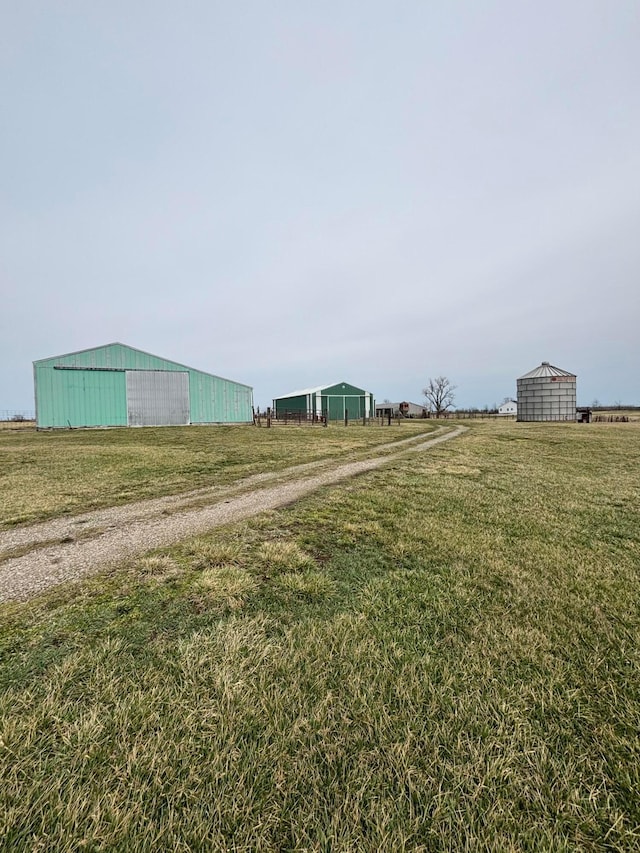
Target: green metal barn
117,385
330,400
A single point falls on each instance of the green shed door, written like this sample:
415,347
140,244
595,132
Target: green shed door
80,398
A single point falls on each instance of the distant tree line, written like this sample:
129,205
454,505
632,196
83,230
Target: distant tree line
597,406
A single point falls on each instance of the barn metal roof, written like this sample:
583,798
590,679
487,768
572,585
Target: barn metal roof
546,369
113,344
305,391
316,390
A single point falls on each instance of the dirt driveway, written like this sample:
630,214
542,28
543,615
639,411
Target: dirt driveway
39,556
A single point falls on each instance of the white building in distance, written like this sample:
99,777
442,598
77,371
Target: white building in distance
509,407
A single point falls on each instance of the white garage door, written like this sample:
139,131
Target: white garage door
157,398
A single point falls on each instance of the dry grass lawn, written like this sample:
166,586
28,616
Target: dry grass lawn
48,474
440,655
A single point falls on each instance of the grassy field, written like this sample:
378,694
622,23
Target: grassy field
47,474
440,655
15,425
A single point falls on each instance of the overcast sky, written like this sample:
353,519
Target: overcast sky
291,193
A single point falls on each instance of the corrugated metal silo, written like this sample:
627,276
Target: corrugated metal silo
547,393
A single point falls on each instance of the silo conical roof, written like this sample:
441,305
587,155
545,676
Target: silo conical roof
545,369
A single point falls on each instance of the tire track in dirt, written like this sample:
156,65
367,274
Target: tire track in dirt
135,529
17,541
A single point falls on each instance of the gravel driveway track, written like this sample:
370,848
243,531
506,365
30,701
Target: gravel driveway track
34,558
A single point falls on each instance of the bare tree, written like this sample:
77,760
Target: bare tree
439,394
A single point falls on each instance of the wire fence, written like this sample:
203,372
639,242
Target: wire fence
17,415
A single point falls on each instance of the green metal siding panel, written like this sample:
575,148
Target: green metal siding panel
344,388
333,400
70,395
215,400
80,398
291,404
336,405
354,405
116,356
336,399
122,357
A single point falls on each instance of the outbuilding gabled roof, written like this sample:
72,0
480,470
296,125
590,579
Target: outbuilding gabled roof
321,389
304,392
545,369
119,359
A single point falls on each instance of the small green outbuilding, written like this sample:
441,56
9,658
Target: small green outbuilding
117,385
334,401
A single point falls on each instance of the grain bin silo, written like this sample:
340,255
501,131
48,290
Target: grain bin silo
547,393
